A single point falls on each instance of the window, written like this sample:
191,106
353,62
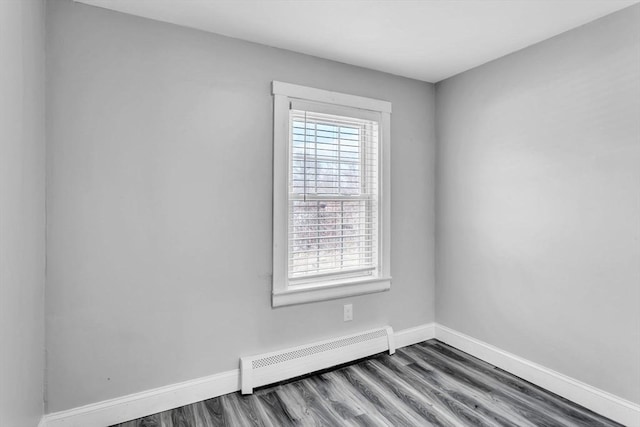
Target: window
331,195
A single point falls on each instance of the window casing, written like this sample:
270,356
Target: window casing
331,195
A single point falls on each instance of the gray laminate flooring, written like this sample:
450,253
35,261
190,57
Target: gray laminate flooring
427,384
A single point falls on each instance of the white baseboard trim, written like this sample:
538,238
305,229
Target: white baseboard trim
414,335
148,402
599,401
137,405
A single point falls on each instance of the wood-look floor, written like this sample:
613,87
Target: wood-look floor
427,384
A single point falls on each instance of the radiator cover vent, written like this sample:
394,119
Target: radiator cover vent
288,363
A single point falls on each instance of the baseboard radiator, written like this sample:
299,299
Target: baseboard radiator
269,368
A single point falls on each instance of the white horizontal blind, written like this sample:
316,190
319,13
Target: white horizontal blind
333,195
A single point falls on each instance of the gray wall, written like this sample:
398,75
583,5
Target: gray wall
159,204
538,203
22,197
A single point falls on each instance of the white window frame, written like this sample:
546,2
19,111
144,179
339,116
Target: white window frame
283,293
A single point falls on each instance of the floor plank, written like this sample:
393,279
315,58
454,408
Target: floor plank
427,384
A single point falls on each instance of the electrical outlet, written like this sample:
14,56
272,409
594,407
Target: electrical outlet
348,312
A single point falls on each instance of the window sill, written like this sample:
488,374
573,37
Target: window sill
324,291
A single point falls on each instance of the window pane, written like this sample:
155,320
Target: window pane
332,194
329,235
